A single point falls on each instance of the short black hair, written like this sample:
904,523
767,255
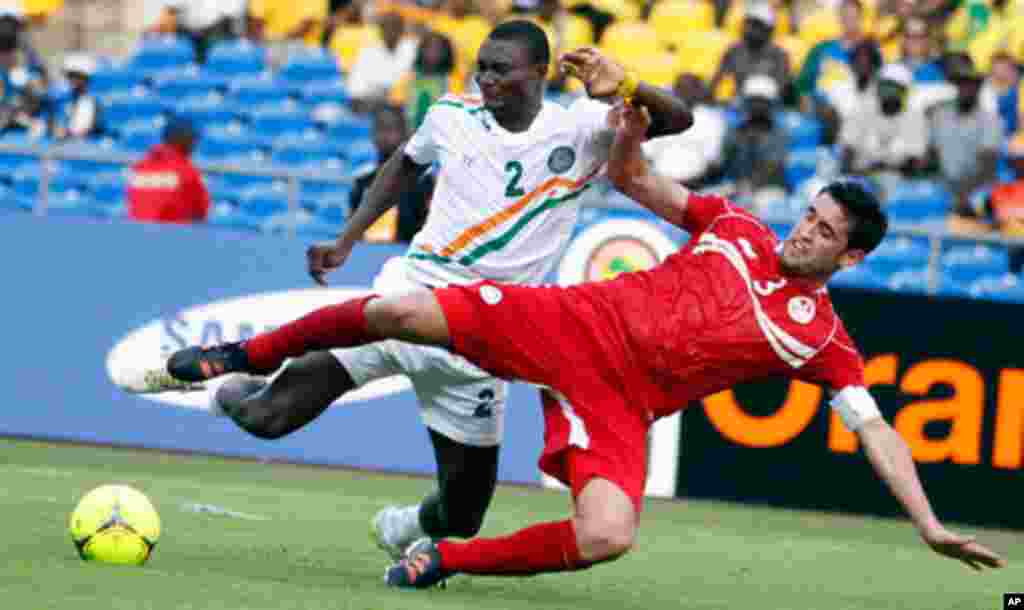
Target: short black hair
873,51
869,221
527,33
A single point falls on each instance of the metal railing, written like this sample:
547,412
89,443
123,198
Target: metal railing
294,178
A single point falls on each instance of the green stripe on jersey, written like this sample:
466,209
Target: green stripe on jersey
502,240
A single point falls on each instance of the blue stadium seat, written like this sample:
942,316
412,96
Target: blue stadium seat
126,109
900,252
917,201
263,206
236,58
242,183
1005,287
277,122
360,152
12,161
799,167
332,215
966,263
109,189
77,204
326,191
252,93
162,53
192,84
322,92
909,281
804,132
859,276
227,215
315,155
348,130
310,65
207,112
117,81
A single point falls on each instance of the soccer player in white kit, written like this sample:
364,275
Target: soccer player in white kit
512,168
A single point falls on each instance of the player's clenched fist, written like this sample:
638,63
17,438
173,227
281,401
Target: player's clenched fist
326,257
601,75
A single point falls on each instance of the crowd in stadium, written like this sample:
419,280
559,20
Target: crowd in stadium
921,97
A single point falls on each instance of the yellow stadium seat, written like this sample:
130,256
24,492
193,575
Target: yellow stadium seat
660,69
672,17
467,35
820,26
797,50
347,41
38,8
701,53
1015,40
726,89
628,41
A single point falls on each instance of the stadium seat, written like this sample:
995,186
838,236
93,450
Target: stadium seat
858,276
323,191
1005,287
332,215
275,120
187,85
117,81
235,58
328,91
803,131
969,262
672,16
251,93
310,66
797,50
263,205
917,201
77,204
162,53
630,41
799,167
310,156
120,110
207,112
909,281
660,69
352,130
360,152
820,26
900,252
701,52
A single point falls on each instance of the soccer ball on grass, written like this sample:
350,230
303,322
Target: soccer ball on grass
115,524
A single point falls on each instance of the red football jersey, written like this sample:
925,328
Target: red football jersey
720,312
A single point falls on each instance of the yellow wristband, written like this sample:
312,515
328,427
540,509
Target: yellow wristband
627,88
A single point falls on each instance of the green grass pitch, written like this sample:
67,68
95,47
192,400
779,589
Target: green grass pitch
312,550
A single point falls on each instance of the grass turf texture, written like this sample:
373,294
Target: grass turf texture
313,551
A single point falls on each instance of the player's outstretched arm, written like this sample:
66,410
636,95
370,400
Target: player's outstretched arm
606,79
890,457
629,172
398,175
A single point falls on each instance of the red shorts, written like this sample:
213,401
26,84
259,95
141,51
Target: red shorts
562,339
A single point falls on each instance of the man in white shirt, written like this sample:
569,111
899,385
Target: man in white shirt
378,67
885,135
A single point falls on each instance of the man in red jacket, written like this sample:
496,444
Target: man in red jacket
165,186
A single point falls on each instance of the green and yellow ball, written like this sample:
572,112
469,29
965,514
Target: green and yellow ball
115,524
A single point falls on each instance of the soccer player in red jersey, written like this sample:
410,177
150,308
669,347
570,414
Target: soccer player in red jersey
733,305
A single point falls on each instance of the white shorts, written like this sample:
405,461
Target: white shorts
457,398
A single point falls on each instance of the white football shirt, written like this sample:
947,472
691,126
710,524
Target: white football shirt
504,204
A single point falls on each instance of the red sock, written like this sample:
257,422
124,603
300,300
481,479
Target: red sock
342,325
547,547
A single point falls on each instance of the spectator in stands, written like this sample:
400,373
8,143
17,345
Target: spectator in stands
79,115
13,23
756,149
22,90
431,77
693,157
884,135
165,186
841,100
379,67
286,25
390,130
966,137
1005,206
207,22
829,61
755,53
1002,91
918,52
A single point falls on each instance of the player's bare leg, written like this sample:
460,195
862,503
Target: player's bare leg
416,318
603,528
